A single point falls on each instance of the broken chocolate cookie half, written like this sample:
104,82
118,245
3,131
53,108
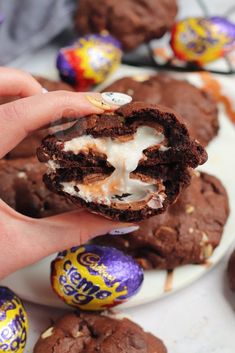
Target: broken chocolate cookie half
127,165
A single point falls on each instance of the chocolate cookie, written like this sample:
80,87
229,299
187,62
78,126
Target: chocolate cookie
51,85
231,271
27,147
90,333
132,22
128,165
197,108
187,233
21,187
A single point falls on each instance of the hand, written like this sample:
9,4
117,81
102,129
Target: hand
24,240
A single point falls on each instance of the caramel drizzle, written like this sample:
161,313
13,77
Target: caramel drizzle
168,286
213,86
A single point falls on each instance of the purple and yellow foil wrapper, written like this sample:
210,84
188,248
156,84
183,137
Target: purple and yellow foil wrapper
92,277
202,40
89,60
13,322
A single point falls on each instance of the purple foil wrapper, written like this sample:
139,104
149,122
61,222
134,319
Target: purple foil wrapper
226,27
94,277
121,266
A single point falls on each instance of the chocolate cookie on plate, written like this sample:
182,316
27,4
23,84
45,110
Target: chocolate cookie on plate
187,233
198,108
90,333
127,165
131,22
21,187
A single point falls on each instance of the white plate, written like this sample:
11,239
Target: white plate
32,283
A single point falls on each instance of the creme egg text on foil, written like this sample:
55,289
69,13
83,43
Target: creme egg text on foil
93,277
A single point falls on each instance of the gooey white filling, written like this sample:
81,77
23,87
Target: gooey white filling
124,156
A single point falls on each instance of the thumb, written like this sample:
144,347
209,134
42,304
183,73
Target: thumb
26,240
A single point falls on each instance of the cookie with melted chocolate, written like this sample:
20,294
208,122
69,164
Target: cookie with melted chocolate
128,165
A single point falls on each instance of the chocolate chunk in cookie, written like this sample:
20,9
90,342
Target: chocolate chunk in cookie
131,22
22,188
187,233
127,165
197,107
231,271
90,333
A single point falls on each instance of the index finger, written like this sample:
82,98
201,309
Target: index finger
23,116
18,83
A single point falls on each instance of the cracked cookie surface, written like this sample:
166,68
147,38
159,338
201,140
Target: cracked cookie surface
89,333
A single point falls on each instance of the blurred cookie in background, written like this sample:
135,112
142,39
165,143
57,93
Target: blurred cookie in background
187,233
197,107
131,22
91,332
51,85
22,188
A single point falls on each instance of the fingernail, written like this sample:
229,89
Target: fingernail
99,103
126,230
44,90
116,98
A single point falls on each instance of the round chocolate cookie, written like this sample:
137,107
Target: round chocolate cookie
231,271
131,22
90,333
22,188
187,233
127,165
197,108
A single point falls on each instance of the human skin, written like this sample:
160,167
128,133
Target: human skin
24,240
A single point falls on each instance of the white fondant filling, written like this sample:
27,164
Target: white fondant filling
124,156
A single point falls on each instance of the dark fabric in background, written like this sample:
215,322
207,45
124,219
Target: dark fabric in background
30,24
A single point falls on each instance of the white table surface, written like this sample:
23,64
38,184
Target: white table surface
197,319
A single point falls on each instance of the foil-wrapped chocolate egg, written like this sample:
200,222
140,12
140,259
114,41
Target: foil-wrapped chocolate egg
89,60
13,322
202,40
93,277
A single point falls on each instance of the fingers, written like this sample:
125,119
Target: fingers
17,83
21,117
25,241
